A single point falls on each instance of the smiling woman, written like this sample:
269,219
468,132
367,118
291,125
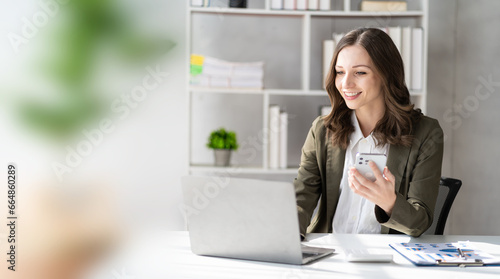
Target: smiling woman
360,85
372,114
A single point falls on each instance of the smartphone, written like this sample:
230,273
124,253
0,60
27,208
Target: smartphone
362,166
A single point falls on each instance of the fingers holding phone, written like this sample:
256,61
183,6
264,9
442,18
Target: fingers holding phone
363,167
371,179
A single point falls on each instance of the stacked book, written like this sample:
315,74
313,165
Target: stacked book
200,3
312,5
410,43
408,40
328,49
211,72
278,138
383,6
324,110
209,3
219,3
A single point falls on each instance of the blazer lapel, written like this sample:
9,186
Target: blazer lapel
397,161
335,168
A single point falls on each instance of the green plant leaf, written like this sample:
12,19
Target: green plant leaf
222,139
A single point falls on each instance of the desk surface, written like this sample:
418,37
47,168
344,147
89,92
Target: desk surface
168,255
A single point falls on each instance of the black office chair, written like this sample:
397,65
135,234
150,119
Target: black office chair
448,189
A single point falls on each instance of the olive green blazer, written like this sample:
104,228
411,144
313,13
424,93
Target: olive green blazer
417,170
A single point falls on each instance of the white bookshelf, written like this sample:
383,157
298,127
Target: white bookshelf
291,39
343,13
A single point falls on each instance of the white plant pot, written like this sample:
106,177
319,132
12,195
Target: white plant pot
222,157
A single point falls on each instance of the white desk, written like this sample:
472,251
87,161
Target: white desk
168,255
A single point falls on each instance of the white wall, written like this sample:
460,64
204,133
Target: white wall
463,54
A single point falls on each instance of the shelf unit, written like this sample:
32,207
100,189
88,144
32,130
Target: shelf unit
289,42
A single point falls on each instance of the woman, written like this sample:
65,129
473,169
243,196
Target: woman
372,114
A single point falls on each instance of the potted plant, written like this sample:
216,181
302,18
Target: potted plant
222,142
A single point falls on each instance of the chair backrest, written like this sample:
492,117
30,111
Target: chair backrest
448,189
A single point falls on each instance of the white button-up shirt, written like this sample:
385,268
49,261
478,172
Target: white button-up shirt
354,213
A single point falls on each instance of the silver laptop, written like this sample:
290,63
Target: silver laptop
245,219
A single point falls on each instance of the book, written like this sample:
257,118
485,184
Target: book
277,4
274,138
383,6
328,49
196,3
395,34
283,144
406,53
220,3
237,3
324,5
200,81
461,253
289,5
252,69
246,83
313,5
219,81
417,57
216,67
337,37
302,5
325,110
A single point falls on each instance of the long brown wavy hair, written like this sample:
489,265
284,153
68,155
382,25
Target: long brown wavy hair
396,126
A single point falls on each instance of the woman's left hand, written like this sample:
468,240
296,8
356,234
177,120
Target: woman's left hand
381,192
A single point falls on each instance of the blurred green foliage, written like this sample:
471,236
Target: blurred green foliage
222,139
88,26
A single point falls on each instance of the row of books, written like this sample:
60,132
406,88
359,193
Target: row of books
322,5
219,3
408,40
312,5
207,71
278,137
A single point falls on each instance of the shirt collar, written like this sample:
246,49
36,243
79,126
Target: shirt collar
357,135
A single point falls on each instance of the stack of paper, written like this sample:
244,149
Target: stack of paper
211,72
278,137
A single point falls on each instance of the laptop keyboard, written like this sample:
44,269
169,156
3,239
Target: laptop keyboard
313,253
309,255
